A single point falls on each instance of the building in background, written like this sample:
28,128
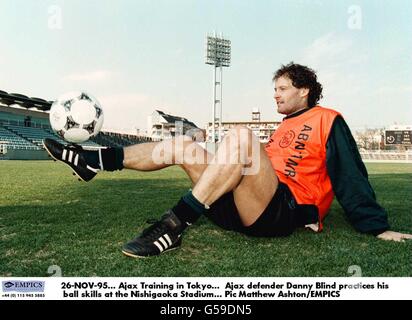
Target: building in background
394,137
262,129
161,126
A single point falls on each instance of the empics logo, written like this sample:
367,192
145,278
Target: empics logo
23,286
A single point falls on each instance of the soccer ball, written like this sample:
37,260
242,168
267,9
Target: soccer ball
76,116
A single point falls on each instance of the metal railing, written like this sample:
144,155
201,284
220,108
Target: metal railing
387,156
33,124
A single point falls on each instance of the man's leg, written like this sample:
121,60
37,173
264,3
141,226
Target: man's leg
145,157
166,233
189,155
252,192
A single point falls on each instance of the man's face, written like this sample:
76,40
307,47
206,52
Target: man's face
289,99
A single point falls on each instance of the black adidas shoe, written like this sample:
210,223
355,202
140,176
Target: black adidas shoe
163,235
72,155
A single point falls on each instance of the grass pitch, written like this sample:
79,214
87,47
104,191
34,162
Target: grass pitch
48,218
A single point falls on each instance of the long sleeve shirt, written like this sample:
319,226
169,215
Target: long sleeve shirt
350,182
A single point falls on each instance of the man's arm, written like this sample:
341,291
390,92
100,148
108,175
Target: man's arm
351,186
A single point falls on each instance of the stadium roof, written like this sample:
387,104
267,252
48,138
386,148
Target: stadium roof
24,101
172,119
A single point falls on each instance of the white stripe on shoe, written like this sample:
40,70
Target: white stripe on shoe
158,246
92,169
76,159
101,159
164,243
64,154
168,239
70,156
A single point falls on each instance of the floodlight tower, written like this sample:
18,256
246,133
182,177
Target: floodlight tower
218,52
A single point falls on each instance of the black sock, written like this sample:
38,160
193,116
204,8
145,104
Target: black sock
112,159
189,209
109,159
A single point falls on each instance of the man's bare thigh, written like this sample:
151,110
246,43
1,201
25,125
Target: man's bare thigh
255,191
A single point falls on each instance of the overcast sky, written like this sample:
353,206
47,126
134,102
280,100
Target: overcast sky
137,56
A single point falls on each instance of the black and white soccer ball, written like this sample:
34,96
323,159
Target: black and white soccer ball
76,116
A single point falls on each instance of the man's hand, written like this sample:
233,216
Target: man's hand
394,236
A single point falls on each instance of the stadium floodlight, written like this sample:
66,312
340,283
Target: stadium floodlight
218,51
218,54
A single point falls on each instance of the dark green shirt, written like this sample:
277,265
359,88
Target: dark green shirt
350,183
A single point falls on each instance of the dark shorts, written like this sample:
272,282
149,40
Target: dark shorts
277,220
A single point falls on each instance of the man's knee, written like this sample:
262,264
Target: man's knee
241,135
240,144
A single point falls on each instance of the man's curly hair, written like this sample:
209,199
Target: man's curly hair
302,77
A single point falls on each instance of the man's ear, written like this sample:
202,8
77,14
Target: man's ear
303,92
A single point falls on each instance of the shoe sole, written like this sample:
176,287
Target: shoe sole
50,154
143,257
